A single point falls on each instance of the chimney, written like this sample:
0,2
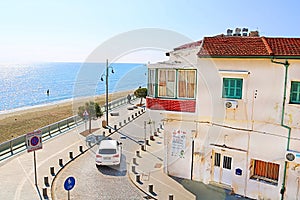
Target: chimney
254,34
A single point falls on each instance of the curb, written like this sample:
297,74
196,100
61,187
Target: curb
83,152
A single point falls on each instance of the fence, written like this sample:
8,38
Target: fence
118,102
18,144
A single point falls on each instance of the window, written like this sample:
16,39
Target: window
186,83
295,92
265,171
151,82
232,88
166,83
217,159
227,162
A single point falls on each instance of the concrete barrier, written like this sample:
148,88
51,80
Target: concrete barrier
45,195
60,162
52,171
133,169
138,178
81,149
150,188
134,161
46,181
143,147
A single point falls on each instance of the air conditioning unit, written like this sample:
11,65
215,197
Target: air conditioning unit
231,104
292,156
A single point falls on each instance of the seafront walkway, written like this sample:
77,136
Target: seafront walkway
17,172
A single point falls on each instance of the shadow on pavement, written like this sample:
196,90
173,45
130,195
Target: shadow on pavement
204,192
118,170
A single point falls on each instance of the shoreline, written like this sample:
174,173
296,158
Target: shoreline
14,123
66,102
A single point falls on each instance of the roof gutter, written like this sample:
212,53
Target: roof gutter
286,64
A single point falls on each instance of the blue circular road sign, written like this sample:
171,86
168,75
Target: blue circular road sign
69,183
34,141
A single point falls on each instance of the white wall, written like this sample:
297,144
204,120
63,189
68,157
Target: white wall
267,141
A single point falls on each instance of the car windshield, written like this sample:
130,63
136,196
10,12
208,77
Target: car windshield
107,151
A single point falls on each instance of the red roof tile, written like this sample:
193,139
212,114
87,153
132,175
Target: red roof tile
284,46
249,46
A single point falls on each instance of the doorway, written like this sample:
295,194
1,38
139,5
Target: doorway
222,168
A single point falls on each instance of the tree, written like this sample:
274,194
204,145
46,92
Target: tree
141,93
93,109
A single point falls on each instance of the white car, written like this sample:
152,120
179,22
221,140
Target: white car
109,153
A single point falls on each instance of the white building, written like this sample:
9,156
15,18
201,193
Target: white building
231,107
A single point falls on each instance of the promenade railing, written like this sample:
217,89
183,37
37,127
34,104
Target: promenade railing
18,144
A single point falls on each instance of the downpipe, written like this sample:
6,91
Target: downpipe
286,64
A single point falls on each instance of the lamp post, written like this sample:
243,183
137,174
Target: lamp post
106,85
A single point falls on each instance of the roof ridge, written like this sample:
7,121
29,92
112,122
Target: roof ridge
267,46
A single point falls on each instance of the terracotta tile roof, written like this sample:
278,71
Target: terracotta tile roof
189,45
284,46
249,46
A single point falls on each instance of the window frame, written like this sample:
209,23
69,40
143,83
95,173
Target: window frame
297,101
254,175
235,87
186,83
166,83
152,84
156,86
217,159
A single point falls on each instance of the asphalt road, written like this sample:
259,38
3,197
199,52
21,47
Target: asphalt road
105,182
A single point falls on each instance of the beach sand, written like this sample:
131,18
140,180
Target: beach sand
19,122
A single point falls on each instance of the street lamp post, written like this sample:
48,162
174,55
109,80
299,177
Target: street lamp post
106,85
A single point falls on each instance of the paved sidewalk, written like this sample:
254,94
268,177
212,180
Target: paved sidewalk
148,165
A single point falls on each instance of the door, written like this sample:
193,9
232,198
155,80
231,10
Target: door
222,168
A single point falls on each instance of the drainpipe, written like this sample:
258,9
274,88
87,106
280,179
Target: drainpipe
286,65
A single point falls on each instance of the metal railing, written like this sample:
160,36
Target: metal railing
118,102
18,144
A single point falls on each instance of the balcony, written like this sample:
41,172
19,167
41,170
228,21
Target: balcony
176,105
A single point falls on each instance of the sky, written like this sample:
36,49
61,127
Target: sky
70,30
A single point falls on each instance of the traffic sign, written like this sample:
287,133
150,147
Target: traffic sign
69,183
34,141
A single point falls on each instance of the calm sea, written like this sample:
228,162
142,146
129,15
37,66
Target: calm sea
26,85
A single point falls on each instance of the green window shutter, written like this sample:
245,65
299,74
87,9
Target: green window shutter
295,92
232,88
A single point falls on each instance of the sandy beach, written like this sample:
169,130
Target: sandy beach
21,121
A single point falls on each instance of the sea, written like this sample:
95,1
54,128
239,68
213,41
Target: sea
27,85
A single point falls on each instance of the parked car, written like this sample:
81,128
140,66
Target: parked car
109,153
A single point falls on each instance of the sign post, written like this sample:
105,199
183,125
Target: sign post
33,143
69,185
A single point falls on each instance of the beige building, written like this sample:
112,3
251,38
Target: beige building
231,107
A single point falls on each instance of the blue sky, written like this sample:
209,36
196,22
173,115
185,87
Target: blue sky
69,30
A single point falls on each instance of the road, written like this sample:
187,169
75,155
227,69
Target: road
106,182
